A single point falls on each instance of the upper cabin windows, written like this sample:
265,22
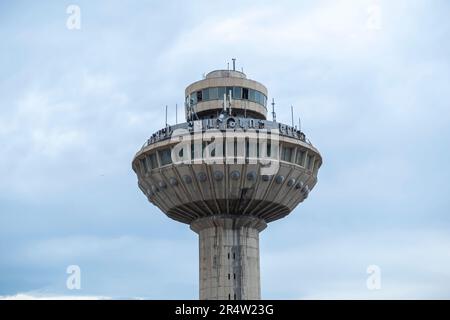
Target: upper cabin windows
213,93
221,90
205,94
238,93
244,93
199,96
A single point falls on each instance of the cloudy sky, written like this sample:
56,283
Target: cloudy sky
370,80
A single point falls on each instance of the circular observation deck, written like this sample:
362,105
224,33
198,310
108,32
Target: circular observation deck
234,182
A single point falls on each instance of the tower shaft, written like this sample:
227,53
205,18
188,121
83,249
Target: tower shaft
229,257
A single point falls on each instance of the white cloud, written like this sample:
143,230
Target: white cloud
67,128
26,296
413,266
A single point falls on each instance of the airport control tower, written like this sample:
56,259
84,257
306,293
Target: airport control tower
227,172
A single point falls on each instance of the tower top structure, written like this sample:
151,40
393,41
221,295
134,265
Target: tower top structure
205,97
227,172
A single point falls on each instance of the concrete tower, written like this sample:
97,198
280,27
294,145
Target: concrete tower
227,172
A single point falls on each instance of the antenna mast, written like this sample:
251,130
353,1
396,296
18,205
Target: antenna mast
189,108
292,116
224,102
229,100
274,116
166,115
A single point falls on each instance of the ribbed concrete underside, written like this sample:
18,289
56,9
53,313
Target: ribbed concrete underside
266,210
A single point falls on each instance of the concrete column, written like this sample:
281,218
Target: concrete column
229,256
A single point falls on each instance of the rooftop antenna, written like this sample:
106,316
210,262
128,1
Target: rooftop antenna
224,102
234,64
230,100
292,116
274,116
190,108
299,125
228,66
166,115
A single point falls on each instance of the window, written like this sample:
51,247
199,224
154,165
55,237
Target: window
205,94
300,157
309,162
247,149
165,156
214,93
286,154
221,92
252,95
237,92
261,99
193,98
228,276
152,161
316,166
144,164
244,93
257,96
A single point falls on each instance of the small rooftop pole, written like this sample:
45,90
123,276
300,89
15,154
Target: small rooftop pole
230,100
274,116
234,64
292,116
224,102
189,108
166,115
299,124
